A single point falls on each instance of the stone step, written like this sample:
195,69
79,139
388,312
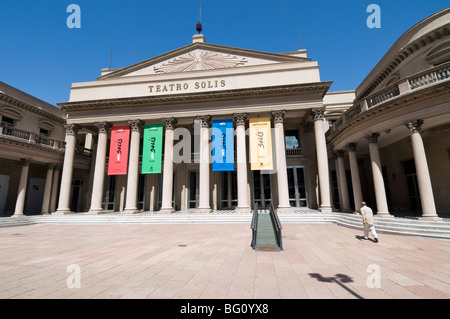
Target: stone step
403,226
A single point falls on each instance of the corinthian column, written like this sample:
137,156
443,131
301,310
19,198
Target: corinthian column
380,191
241,165
422,172
99,171
22,191
345,202
167,190
133,168
66,176
322,159
47,189
356,182
282,180
203,202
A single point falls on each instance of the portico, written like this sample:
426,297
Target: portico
186,90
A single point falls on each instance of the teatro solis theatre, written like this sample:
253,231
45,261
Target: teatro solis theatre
208,128
204,127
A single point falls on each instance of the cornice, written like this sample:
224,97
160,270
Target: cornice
398,58
316,88
29,107
205,46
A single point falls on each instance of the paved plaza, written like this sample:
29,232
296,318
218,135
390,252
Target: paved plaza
215,261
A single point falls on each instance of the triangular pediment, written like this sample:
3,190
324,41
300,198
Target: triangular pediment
201,57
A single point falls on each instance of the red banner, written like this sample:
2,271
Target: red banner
118,150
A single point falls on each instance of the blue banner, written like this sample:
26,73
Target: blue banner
222,145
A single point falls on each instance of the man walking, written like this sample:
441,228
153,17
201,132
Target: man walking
367,216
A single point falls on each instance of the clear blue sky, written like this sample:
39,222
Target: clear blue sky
40,55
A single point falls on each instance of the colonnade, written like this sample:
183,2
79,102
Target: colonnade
50,188
243,202
423,175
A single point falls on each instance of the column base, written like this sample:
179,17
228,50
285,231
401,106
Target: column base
430,217
95,212
18,215
284,209
242,210
166,210
130,211
383,214
203,210
62,212
325,209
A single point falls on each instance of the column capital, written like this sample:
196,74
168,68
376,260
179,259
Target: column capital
415,126
72,129
340,153
103,127
372,138
169,123
240,118
136,125
309,127
205,120
318,113
25,161
278,116
351,147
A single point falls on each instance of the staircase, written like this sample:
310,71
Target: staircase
402,226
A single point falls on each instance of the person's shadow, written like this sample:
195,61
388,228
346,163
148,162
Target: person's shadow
362,238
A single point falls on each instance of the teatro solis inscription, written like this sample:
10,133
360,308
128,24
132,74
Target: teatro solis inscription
184,86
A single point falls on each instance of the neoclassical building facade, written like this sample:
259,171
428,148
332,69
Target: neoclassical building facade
392,146
188,93
207,127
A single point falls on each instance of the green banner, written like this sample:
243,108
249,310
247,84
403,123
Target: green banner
152,149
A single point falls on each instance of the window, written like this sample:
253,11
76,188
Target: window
7,121
44,132
292,140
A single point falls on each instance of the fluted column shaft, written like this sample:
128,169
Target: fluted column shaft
422,172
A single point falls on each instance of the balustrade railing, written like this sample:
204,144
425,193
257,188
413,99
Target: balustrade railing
419,80
29,137
386,94
436,74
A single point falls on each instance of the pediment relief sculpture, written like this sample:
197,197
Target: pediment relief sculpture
200,60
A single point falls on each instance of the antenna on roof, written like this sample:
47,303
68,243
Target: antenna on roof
110,58
299,44
199,23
